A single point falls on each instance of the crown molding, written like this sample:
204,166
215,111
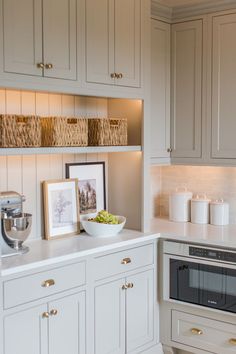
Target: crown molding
160,10
180,12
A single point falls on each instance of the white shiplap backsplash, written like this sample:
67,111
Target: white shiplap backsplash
24,174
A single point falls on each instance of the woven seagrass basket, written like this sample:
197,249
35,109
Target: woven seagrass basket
64,131
107,131
19,131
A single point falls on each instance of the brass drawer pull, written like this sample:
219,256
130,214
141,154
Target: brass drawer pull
48,66
53,312
124,287
196,331
126,261
47,283
45,315
119,76
113,75
232,341
130,285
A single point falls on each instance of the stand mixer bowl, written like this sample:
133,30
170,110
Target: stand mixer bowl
16,229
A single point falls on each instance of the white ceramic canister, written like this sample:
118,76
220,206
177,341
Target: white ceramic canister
200,209
179,205
219,212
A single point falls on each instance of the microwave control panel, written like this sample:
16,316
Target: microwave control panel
212,254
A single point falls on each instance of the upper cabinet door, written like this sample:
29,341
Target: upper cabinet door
160,89
59,38
99,17
22,27
127,42
140,311
223,87
113,42
186,112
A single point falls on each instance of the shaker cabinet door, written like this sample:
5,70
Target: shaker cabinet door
140,310
25,332
22,28
59,39
127,42
66,329
223,87
186,115
109,318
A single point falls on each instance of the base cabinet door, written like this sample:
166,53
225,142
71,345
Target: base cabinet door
139,310
109,318
66,325
26,332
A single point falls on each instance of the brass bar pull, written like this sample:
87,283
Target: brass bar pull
113,75
53,312
119,76
169,150
196,331
232,341
45,315
130,285
126,261
48,66
124,287
40,65
47,283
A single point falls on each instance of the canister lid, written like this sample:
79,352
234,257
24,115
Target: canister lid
183,192
201,198
219,202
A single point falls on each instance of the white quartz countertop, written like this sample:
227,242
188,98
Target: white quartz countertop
43,253
222,236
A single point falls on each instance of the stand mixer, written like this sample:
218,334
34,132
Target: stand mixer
15,225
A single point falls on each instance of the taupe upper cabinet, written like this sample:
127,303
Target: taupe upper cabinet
40,37
113,42
186,111
224,87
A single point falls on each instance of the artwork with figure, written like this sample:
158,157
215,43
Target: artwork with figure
87,196
62,208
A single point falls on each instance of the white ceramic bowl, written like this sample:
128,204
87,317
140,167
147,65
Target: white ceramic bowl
97,229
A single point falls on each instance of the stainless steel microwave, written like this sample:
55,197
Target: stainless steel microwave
200,275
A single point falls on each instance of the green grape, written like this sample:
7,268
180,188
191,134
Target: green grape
104,217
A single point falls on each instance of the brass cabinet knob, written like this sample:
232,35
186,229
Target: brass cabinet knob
126,260
232,341
45,315
40,65
196,331
113,75
130,285
119,76
53,312
169,150
48,66
47,283
125,286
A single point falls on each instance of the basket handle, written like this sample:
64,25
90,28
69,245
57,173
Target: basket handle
114,123
22,120
72,121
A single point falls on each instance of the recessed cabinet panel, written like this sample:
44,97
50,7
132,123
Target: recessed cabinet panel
160,89
66,325
140,310
109,318
22,27
59,38
99,41
224,87
25,332
186,115
127,42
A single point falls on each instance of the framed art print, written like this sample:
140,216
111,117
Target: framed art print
91,184
61,208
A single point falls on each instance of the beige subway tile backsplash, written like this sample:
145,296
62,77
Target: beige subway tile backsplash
215,182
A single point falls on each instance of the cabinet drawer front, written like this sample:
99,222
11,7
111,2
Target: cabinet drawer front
123,261
36,286
203,333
